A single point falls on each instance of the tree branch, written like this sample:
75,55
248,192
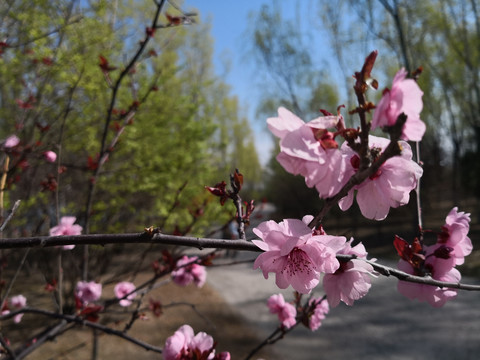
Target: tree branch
90,324
200,243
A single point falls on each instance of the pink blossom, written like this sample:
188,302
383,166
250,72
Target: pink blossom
320,309
294,254
66,227
433,295
308,149
389,187
88,291
187,271
122,289
202,342
286,312
404,97
18,302
11,142
224,355
352,279
177,344
454,234
50,156
184,344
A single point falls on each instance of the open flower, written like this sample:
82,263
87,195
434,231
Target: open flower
184,344
122,289
66,227
286,312
388,188
294,254
177,344
454,234
404,97
88,292
435,261
309,149
434,295
188,271
18,302
352,279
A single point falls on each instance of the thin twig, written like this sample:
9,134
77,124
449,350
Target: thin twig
46,34
393,149
104,150
10,215
195,310
275,336
14,278
48,334
81,321
7,347
3,181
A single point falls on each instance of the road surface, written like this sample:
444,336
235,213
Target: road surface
383,325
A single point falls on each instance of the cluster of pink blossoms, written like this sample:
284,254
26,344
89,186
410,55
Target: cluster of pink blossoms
302,152
388,188
309,149
437,261
188,271
185,345
298,256
16,302
352,280
287,313
319,309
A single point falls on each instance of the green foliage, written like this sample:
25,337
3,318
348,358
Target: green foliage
186,133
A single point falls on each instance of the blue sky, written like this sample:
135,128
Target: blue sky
229,22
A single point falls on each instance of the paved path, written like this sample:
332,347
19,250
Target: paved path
384,325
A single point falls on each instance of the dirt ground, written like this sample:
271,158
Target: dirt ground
202,308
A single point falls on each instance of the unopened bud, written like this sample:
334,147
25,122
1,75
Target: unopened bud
443,252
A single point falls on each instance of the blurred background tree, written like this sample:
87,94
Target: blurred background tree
441,36
187,132
291,79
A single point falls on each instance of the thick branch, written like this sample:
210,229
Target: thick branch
135,238
200,243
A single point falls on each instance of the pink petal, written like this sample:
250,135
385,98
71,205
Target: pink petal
284,123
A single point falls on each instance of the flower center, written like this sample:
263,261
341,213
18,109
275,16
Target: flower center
355,162
298,261
326,138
